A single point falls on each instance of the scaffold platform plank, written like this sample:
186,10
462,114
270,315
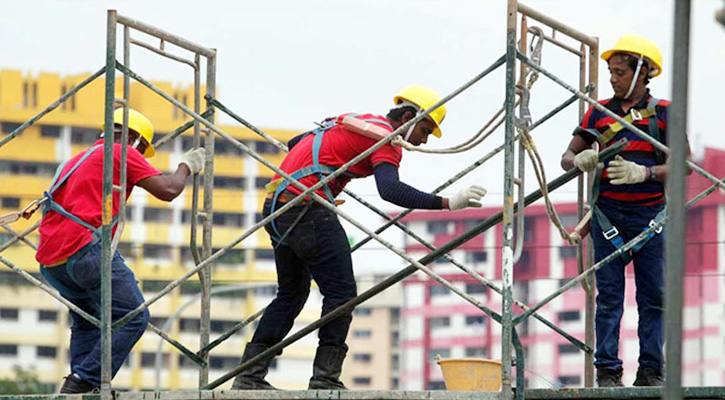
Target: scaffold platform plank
706,392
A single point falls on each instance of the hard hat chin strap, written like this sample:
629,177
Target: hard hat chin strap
410,131
635,77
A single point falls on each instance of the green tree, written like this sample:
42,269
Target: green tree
25,382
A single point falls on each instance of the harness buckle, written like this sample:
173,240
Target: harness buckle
610,234
636,115
652,224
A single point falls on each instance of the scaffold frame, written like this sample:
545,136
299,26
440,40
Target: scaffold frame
512,212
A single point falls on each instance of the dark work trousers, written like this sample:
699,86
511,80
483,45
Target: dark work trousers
648,278
79,281
316,248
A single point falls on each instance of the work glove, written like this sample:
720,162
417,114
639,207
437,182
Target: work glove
468,197
623,172
586,160
194,159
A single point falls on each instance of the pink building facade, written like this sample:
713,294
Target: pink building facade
437,322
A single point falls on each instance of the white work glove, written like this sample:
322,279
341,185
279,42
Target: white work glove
467,197
194,159
622,172
586,160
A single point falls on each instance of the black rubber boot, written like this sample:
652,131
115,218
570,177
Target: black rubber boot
609,377
327,368
252,378
76,385
648,377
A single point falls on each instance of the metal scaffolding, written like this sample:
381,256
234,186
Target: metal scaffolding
517,127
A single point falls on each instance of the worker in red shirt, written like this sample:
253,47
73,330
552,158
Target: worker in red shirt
308,240
69,251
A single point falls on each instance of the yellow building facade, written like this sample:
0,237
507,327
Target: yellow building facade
34,331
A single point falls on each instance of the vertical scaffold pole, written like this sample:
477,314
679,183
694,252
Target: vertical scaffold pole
208,219
589,309
508,202
675,238
107,207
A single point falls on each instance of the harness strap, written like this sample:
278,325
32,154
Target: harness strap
633,115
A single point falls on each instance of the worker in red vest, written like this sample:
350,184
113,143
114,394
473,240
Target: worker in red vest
69,251
628,197
308,240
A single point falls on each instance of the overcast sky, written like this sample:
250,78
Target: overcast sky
285,64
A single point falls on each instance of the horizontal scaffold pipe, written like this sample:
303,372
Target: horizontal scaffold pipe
166,36
404,273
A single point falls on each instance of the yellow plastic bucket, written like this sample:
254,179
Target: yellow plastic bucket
471,374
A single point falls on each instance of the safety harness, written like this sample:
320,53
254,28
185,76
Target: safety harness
609,231
48,204
321,170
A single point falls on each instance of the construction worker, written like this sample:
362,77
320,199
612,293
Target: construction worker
69,251
308,240
628,196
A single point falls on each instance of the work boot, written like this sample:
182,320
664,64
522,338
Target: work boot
73,384
607,377
327,368
252,378
648,377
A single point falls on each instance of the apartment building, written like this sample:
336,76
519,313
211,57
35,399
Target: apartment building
155,242
437,322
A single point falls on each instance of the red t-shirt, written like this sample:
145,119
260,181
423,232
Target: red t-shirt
339,146
81,195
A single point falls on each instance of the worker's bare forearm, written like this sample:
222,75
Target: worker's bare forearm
167,187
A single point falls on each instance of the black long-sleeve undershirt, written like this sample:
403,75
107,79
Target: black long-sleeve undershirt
401,194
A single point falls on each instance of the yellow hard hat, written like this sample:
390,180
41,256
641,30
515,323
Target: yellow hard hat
138,123
424,98
640,46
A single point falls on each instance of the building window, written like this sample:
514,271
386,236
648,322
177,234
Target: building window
148,360
163,215
228,182
361,380
261,182
10,202
524,264
266,148
186,363
572,380
363,357
9,314
228,219
566,316
157,251
267,290
475,320
224,363
476,352
46,352
436,385
264,254
219,326
529,229
47,315
8,127
8,350
258,217
362,334
231,257
476,256
189,325
363,311
438,290
80,135
567,349
475,288
567,252
439,322
50,131
437,227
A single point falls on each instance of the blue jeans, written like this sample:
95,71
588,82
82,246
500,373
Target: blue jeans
317,248
79,281
648,277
